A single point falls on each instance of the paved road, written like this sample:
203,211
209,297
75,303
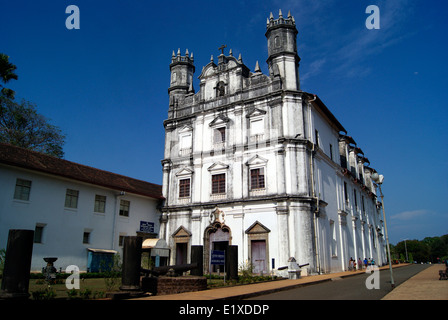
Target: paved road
350,288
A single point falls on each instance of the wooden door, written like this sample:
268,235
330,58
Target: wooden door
258,253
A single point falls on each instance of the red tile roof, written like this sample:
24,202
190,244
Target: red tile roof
27,159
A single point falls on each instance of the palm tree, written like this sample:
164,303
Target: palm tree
6,74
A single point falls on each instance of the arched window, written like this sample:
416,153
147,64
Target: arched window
220,89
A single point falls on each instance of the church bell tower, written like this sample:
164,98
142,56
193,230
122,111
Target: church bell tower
283,59
181,84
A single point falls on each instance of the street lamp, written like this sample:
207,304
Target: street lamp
378,179
406,249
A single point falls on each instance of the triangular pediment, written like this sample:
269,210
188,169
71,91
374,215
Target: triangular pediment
218,166
256,160
186,128
220,119
181,232
185,172
254,112
257,228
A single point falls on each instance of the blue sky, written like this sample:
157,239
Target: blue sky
105,85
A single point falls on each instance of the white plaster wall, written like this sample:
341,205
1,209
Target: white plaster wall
64,227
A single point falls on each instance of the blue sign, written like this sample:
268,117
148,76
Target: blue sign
146,226
218,257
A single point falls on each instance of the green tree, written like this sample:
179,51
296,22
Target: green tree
21,125
7,73
427,250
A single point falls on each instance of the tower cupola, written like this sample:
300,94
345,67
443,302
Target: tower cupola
182,70
281,34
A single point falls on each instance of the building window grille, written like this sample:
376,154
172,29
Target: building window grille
86,237
124,208
38,234
219,183
184,188
257,179
100,204
71,198
22,190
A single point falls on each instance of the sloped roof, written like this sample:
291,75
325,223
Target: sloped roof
32,160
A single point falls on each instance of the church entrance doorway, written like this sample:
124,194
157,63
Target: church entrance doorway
220,246
217,236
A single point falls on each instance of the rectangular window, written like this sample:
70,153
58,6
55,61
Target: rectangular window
121,240
219,183
257,179
185,141
331,151
219,135
38,233
345,192
124,208
356,199
71,198
363,205
86,237
316,137
184,188
23,189
257,127
100,204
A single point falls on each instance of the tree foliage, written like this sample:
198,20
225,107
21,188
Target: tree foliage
7,73
20,123
430,249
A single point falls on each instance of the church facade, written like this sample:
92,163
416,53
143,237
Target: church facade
252,160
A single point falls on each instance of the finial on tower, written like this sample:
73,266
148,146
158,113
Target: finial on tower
257,67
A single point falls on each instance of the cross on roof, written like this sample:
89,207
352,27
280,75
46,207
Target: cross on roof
222,48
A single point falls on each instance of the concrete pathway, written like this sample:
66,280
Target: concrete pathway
425,285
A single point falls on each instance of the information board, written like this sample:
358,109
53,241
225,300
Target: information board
218,257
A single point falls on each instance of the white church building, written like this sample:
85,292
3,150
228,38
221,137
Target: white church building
252,160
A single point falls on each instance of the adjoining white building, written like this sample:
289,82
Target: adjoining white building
80,214
253,161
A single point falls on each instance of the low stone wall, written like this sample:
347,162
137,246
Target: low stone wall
171,285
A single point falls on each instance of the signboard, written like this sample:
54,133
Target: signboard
218,257
146,226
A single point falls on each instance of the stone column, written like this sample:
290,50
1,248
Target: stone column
232,262
132,255
197,256
16,274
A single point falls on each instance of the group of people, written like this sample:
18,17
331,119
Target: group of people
353,265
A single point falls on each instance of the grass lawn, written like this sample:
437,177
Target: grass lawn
91,288
96,288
